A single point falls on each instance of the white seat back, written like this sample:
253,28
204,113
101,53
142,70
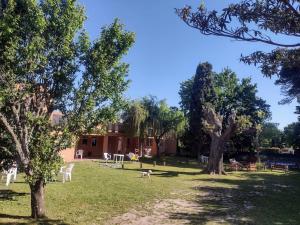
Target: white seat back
69,167
79,152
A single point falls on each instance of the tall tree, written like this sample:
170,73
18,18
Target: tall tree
42,55
202,92
253,21
234,108
231,94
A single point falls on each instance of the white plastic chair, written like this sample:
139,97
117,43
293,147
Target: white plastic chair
204,159
107,157
11,175
66,171
79,153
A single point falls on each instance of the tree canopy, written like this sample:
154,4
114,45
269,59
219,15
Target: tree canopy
48,63
291,135
270,135
255,21
231,94
151,117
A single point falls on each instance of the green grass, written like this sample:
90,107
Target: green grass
97,193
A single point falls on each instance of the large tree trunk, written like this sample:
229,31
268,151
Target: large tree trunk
215,162
37,199
214,126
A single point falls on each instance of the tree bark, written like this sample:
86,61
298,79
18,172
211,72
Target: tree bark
37,199
214,124
215,162
157,145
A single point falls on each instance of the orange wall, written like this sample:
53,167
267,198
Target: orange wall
67,154
88,148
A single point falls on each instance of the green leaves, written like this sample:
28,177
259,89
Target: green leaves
99,96
48,64
254,21
149,113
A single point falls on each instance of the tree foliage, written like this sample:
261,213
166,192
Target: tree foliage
231,94
48,63
254,21
194,93
150,117
270,135
291,135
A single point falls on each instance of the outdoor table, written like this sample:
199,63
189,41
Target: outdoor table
118,158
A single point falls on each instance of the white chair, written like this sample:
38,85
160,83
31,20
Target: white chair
79,153
11,175
204,159
148,153
66,171
107,157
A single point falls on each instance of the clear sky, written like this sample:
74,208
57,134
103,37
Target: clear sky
167,51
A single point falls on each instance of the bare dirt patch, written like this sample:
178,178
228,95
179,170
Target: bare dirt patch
158,213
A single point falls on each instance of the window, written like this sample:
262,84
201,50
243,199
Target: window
94,142
84,141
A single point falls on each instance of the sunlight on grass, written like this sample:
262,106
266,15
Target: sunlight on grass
98,193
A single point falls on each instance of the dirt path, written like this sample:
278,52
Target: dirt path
209,207
163,212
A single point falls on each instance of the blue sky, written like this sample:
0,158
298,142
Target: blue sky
167,51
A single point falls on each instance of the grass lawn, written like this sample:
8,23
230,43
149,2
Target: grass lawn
97,194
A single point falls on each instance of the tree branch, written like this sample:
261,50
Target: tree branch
290,6
10,130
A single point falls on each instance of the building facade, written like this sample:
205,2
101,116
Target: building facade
115,141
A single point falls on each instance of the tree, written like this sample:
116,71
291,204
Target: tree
231,94
253,21
270,135
47,63
234,108
134,120
149,114
201,92
214,125
291,135
185,93
162,119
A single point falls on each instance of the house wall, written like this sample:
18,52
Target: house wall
170,146
95,145
67,154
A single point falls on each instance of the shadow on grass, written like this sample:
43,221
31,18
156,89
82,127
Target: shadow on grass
29,221
181,162
9,195
164,173
255,198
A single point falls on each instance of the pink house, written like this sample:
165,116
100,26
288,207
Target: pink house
115,141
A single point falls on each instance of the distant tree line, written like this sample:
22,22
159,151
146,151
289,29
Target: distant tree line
272,136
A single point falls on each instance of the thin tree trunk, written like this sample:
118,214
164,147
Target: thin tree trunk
177,147
157,145
37,199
